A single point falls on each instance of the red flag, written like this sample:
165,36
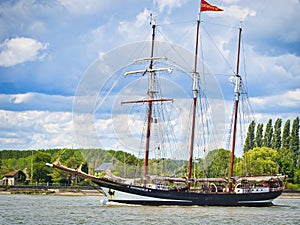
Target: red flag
208,7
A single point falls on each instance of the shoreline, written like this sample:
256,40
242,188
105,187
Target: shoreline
54,191
290,195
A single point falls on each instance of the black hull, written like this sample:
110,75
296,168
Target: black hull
129,194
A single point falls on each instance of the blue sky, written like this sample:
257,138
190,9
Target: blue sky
48,47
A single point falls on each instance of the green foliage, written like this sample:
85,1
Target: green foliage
40,170
12,160
286,165
267,141
296,177
286,135
291,186
261,161
71,158
276,139
239,167
294,140
285,142
95,157
250,140
259,135
167,167
9,154
218,163
125,163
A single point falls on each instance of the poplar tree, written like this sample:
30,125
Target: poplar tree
276,139
286,162
286,156
297,172
294,141
286,135
267,141
250,141
259,135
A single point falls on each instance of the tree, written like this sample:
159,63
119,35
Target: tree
286,135
267,141
296,175
276,139
40,170
286,162
250,141
294,141
262,161
259,135
218,163
71,158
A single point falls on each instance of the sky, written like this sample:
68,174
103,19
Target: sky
51,50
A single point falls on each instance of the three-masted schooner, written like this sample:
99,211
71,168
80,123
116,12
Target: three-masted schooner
221,192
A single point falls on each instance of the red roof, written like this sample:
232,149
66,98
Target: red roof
12,174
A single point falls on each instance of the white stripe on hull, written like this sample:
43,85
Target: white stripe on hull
255,202
123,196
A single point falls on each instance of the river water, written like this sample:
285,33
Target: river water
38,209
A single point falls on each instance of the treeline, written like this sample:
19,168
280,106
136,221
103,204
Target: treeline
33,163
284,140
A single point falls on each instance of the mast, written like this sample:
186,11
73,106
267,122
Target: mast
151,98
237,94
150,95
195,95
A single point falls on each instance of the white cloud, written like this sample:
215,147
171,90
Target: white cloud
169,4
120,32
288,65
274,20
286,102
142,18
132,30
35,130
36,101
268,75
19,50
238,12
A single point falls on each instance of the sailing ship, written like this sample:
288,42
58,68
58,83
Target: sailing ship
189,191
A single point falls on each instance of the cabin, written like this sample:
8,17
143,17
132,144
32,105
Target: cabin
14,178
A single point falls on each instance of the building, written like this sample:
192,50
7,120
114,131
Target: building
14,178
103,167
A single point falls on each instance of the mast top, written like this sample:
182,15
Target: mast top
153,19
